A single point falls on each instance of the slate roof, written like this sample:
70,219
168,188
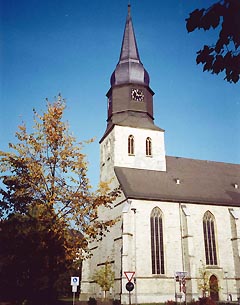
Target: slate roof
130,119
203,182
129,68
135,119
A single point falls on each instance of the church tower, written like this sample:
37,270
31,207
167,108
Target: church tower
131,138
171,223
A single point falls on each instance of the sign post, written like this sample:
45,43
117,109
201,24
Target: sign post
129,286
74,284
180,276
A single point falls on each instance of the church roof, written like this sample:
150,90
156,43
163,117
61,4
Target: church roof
186,181
129,68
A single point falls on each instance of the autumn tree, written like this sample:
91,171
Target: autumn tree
46,195
224,54
204,282
104,277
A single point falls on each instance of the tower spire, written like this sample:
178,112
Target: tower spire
129,68
129,50
130,98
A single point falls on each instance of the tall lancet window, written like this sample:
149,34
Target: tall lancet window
156,221
131,145
209,238
148,146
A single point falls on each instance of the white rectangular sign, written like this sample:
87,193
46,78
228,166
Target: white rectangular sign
181,274
74,280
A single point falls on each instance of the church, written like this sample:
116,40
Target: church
179,218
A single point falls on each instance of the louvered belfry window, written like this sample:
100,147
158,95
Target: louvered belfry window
131,145
157,250
209,239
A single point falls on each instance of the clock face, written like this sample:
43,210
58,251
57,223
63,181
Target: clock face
137,95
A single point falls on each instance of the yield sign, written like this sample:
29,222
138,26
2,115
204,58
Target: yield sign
129,275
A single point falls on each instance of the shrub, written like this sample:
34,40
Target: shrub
193,302
170,302
92,301
206,301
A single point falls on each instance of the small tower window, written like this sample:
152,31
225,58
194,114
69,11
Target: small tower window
148,146
131,145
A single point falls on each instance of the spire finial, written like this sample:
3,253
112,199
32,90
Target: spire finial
129,9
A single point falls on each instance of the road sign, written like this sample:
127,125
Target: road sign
129,275
74,280
74,288
129,286
178,295
184,289
181,274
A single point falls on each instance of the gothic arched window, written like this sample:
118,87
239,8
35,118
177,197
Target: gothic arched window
209,238
157,251
148,146
131,145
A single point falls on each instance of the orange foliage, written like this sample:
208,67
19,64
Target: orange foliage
47,173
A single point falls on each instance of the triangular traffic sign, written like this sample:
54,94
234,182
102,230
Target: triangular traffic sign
129,275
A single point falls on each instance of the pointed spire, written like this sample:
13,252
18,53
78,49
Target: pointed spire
129,68
129,50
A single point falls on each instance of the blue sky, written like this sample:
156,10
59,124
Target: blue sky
73,46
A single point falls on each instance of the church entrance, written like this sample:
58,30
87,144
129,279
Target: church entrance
213,284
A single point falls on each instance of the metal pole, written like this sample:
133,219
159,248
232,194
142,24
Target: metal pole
175,287
226,273
180,289
129,295
73,298
135,254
